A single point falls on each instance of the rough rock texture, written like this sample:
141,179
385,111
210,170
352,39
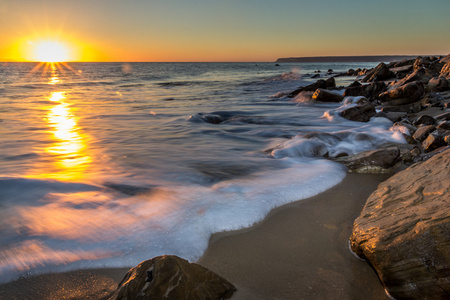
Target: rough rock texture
433,142
423,131
327,96
373,161
438,84
419,75
445,71
170,277
369,90
319,84
425,120
404,231
360,113
405,94
381,72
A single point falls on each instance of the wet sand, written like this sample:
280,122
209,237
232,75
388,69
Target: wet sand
300,251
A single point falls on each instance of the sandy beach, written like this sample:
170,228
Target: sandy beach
300,251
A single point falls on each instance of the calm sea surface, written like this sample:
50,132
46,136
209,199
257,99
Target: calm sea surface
109,164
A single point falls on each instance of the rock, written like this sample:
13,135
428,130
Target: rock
445,71
171,277
446,59
438,84
404,231
421,62
374,161
444,116
354,83
360,113
422,132
381,72
418,75
405,94
394,116
319,84
425,120
444,125
327,96
315,76
371,90
404,62
401,72
407,108
433,142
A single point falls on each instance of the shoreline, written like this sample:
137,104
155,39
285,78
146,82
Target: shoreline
299,251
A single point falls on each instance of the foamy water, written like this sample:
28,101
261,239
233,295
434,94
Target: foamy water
106,165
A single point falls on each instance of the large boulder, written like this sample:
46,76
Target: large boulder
369,91
419,75
381,72
446,59
373,161
404,231
360,113
324,95
402,95
171,277
319,84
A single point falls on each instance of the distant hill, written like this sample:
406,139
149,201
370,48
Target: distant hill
383,58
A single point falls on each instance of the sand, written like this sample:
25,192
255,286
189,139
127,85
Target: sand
300,251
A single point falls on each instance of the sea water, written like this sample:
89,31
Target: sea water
110,164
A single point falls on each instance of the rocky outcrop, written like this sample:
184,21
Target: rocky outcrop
360,113
404,231
445,71
381,72
369,91
374,161
438,84
419,75
170,277
324,95
402,95
319,84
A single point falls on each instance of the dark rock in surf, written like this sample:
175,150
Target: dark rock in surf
319,84
369,91
324,95
404,231
374,161
172,278
360,113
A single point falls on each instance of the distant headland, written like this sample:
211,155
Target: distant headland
382,58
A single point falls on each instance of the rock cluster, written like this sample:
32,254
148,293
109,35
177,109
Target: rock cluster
404,231
171,277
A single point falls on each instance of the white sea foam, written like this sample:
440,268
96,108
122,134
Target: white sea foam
89,229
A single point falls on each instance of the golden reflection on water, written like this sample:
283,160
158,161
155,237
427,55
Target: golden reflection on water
68,147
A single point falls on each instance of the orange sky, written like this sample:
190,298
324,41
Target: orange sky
201,30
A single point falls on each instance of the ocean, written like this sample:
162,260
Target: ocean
109,164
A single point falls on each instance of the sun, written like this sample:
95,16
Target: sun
51,51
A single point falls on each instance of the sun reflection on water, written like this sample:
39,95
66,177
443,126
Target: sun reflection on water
69,145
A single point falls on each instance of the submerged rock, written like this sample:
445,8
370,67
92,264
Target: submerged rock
404,231
171,277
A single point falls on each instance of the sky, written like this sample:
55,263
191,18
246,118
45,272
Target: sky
225,30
